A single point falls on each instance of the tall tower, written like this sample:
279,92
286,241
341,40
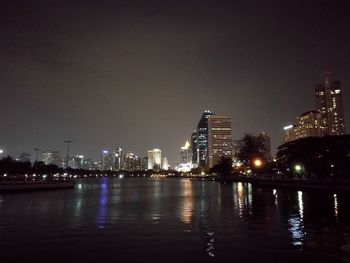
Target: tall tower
329,104
219,138
202,139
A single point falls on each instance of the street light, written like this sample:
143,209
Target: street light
68,142
257,163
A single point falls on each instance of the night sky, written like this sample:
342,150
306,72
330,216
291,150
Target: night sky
139,74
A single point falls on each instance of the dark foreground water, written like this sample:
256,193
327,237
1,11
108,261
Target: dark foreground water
174,220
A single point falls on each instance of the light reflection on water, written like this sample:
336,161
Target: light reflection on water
174,219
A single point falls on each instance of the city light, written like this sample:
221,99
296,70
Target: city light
1,151
298,168
257,163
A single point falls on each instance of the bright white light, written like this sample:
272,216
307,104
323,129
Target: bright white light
1,151
297,167
288,127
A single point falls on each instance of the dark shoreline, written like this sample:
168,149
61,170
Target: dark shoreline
26,186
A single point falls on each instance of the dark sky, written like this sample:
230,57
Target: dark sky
139,74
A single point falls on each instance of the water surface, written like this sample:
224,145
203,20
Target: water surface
174,220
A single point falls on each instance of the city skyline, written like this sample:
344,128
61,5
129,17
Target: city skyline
121,75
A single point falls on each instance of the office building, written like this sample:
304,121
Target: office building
219,138
329,104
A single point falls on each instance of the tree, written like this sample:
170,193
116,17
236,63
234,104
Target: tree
251,147
224,167
315,157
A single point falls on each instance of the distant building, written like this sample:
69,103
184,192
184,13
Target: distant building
308,125
219,138
118,159
165,164
131,162
329,104
194,147
144,164
186,153
51,157
154,159
106,161
25,157
77,162
202,140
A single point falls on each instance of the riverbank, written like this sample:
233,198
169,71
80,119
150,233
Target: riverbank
21,186
299,184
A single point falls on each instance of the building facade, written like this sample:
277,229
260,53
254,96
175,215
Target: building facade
219,138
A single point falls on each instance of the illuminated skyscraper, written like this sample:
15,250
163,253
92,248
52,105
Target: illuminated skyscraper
118,159
186,153
219,138
154,159
329,104
202,140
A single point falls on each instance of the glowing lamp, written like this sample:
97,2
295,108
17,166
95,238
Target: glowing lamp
257,162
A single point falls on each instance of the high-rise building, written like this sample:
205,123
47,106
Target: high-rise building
186,153
154,159
329,104
118,159
144,165
219,138
194,147
131,162
202,139
51,157
106,161
165,164
309,124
